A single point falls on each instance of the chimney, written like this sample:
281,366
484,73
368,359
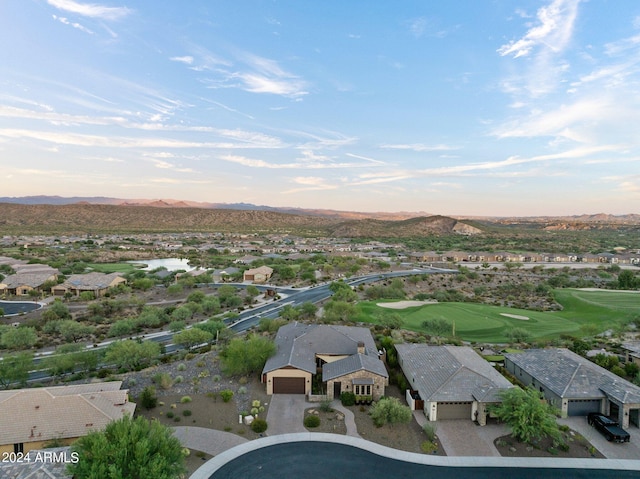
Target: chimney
360,347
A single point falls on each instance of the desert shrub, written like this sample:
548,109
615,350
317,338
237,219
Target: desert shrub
325,406
242,390
254,411
148,398
163,380
428,447
347,398
182,367
185,399
564,428
170,414
243,380
226,395
430,430
178,379
563,446
216,378
259,425
177,419
186,412
311,421
390,411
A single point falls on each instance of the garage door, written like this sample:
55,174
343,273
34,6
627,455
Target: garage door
454,410
288,385
582,407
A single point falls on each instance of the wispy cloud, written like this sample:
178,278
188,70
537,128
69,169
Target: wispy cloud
419,147
266,76
545,42
187,59
66,21
311,183
91,9
553,30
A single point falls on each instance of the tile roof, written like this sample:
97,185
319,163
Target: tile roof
91,281
297,344
36,468
41,414
450,373
569,375
351,364
33,280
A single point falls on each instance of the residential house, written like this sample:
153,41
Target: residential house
575,385
632,351
97,283
21,283
258,275
450,382
337,358
31,418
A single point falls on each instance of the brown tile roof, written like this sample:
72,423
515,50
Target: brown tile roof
60,412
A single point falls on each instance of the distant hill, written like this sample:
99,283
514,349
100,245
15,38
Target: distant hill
82,218
170,203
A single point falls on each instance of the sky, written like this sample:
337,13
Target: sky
463,107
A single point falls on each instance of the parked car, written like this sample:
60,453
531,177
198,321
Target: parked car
608,427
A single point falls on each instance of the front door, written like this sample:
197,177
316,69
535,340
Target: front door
337,389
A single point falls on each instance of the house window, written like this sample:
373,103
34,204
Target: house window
362,389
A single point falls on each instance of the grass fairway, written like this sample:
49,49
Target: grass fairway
113,267
585,313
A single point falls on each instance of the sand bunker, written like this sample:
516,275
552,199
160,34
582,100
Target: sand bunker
405,304
515,316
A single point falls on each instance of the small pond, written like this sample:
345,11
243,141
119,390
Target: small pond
171,264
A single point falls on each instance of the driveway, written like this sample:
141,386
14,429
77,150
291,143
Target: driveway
286,414
462,437
611,450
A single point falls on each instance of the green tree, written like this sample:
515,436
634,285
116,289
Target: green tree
289,313
59,364
192,337
15,369
437,326
72,331
244,356
22,337
308,310
252,292
627,280
389,410
57,310
132,355
339,311
129,449
148,398
527,414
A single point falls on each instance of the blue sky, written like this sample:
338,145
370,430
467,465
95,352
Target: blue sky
474,107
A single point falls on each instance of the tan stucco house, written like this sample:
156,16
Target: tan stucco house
337,358
30,418
258,275
20,284
97,283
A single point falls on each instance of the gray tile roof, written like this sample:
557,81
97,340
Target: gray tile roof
351,364
37,468
569,375
297,344
450,373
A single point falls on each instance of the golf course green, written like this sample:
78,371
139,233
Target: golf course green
584,313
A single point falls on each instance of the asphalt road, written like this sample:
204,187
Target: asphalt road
322,460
